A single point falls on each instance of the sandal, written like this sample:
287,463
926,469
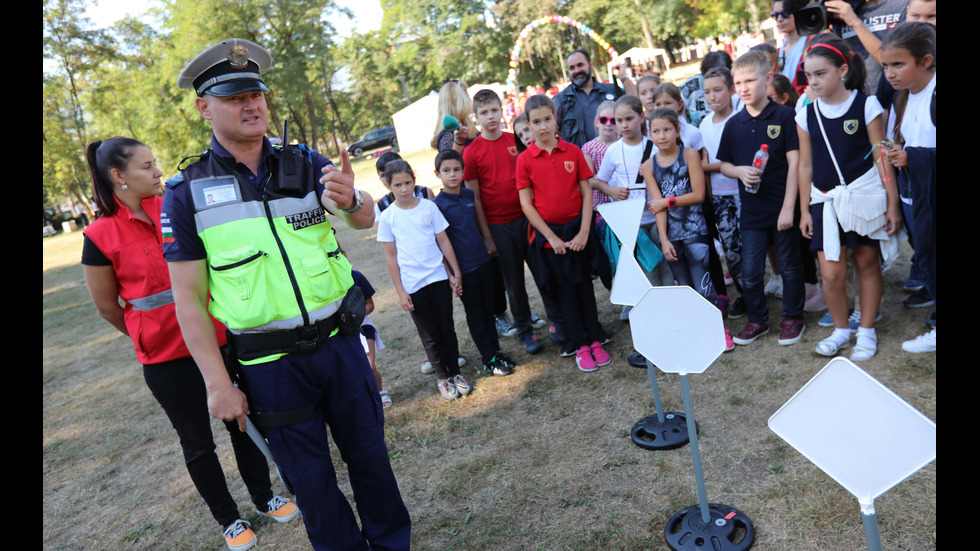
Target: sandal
862,351
385,399
831,346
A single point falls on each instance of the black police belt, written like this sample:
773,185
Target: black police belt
304,339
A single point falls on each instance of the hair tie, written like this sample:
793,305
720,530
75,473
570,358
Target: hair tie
830,47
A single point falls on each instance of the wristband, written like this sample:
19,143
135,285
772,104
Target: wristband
671,202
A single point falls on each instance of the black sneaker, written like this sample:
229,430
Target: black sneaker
737,309
506,360
919,299
567,350
496,367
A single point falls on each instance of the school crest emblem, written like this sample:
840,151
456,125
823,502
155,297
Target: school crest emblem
512,150
570,166
851,126
773,131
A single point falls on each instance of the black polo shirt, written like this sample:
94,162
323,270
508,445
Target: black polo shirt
741,138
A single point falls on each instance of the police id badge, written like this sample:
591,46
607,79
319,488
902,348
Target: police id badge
214,191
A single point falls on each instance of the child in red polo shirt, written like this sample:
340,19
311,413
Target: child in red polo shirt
556,197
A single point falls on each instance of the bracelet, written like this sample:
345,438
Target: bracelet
457,143
671,202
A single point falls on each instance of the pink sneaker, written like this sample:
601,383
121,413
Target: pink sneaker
729,343
584,359
599,355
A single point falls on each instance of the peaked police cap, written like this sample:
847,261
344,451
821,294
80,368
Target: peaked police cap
229,67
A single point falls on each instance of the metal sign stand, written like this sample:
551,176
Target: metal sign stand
692,336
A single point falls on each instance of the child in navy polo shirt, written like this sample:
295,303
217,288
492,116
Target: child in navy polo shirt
769,213
458,206
556,196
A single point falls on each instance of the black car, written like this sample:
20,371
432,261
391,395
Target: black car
375,139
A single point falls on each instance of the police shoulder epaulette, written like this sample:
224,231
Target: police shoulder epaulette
176,180
180,165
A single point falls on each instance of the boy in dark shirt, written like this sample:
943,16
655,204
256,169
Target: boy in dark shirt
768,213
457,204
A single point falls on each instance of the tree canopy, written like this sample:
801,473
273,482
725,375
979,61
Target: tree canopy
122,80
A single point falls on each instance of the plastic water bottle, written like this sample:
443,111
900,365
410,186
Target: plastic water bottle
759,162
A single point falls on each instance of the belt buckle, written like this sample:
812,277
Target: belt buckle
308,338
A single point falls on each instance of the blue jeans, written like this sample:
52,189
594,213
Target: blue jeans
787,245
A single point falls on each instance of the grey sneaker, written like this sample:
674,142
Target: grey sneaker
505,327
448,389
536,322
462,385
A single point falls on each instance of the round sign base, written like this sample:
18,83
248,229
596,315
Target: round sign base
651,434
727,530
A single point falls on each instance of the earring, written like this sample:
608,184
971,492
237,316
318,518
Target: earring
124,186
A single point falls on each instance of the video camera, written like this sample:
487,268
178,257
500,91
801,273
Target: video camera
811,16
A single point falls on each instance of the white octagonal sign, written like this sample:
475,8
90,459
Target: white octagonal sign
677,329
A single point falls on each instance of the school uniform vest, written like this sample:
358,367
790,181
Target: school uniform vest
847,134
273,262
135,249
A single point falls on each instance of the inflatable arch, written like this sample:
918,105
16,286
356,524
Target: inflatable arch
584,29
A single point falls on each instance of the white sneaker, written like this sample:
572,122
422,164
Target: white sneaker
774,286
427,366
922,343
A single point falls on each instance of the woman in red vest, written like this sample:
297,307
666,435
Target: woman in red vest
122,257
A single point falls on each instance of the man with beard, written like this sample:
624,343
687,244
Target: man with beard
575,106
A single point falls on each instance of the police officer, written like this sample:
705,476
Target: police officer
575,106
246,223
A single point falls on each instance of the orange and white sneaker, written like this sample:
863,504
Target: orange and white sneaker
239,536
280,509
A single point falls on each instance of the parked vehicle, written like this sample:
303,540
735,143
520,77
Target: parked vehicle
375,139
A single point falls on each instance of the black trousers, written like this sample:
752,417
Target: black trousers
433,317
479,292
512,245
179,388
577,301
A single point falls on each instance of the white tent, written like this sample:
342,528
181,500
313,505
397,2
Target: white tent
415,124
641,56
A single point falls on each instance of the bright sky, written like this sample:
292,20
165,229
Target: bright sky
103,13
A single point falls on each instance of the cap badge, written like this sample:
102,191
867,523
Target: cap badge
238,56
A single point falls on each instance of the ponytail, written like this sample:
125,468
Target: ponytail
102,157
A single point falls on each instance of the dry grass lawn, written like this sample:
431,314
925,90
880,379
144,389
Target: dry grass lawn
541,459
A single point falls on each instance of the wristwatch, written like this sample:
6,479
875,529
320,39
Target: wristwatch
358,203
671,202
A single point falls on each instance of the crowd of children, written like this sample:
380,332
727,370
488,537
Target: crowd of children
842,175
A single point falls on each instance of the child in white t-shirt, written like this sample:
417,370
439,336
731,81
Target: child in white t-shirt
718,89
413,231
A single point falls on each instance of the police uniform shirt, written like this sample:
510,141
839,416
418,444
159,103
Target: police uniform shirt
180,238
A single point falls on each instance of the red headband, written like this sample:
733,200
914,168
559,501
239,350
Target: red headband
830,47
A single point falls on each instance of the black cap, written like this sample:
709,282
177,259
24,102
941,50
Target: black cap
229,67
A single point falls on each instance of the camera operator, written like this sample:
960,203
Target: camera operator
865,27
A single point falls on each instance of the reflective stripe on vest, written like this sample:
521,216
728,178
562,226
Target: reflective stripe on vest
144,304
